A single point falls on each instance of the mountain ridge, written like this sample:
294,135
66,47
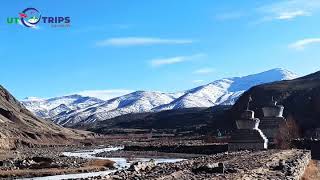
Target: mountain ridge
220,92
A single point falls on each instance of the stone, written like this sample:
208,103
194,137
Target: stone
8,164
142,166
210,168
281,166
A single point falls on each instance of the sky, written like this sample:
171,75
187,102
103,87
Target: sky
117,46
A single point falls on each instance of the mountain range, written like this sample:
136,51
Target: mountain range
73,110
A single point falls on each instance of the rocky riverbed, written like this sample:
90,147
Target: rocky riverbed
124,164
79,161
34,162
244,165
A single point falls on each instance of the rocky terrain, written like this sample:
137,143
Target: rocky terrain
37,162
200,162
19,127
244,165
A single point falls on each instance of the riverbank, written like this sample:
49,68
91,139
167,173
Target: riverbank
37,162
81,161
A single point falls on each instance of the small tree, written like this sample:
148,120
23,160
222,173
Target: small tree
287,132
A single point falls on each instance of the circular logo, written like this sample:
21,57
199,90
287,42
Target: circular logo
30,17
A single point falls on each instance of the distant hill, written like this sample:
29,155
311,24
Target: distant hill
202,120
18,126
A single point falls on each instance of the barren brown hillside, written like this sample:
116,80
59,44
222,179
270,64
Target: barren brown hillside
18,126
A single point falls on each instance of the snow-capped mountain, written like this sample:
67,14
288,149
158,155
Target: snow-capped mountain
139,101
225,91
48,108
76,110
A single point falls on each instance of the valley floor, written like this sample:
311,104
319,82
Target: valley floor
197,160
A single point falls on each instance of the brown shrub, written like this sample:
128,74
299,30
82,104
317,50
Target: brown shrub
287,132
312,171
101,163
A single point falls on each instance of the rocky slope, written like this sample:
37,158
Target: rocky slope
18,126
300,97
76,110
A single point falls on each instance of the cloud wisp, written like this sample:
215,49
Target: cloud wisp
303,43
139,41
289,9
203,71
105,94
174,60
291,15
197,81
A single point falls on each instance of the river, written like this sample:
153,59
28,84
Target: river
120,163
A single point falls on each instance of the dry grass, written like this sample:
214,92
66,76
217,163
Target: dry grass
101,163
312,171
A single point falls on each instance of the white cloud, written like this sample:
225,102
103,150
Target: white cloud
197,81
291,15
301,44
136,41
203,71
105,94
173,60
289,9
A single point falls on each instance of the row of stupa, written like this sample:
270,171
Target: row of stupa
253,133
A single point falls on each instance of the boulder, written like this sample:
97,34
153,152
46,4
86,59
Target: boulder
142,166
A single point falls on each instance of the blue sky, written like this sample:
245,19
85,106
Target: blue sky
170,45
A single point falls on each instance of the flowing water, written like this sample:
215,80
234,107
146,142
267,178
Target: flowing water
120,163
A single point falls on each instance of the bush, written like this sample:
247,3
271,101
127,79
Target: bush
287,132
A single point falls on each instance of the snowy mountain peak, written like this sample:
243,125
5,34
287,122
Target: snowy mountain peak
76,109
225,91
287,75
43,107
